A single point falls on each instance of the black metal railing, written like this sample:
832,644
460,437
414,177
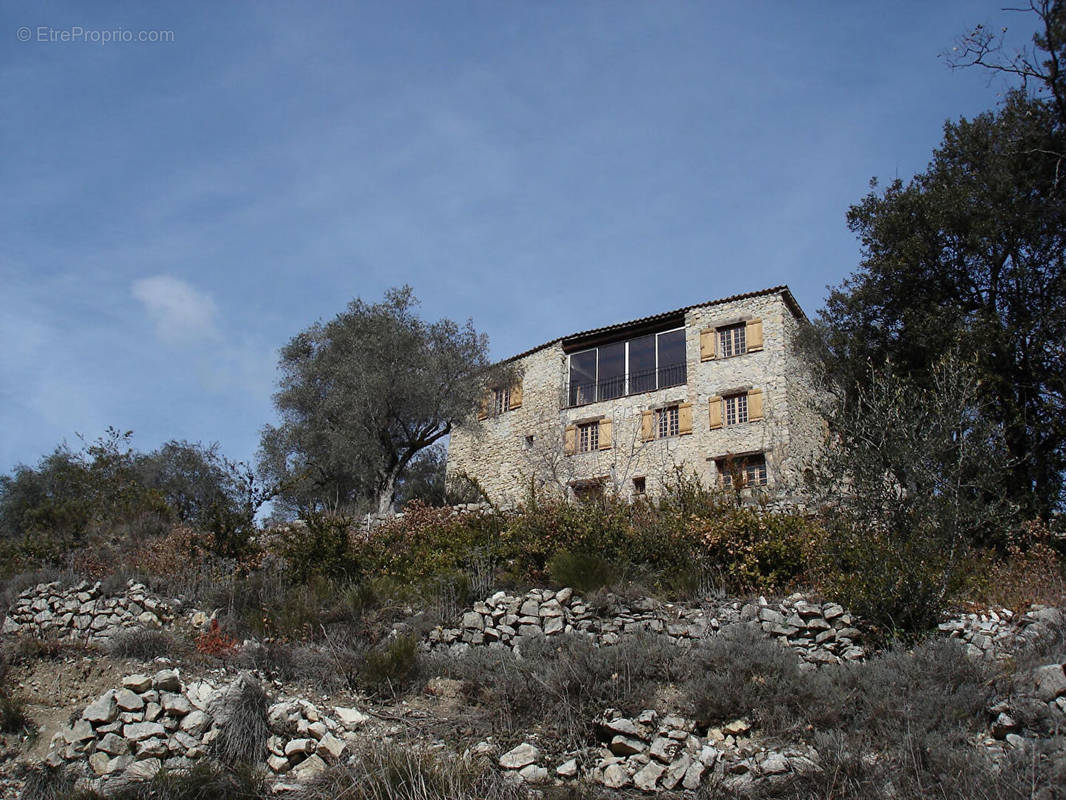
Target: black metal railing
580,394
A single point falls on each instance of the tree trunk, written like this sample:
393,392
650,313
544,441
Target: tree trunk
386,495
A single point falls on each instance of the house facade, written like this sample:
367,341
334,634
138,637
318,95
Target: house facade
716,389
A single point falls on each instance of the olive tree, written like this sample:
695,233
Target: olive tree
360,396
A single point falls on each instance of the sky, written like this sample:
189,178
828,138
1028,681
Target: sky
186,186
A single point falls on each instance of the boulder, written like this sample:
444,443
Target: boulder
521,756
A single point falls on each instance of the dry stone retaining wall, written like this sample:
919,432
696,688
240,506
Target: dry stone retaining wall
159,721
819,633
84,611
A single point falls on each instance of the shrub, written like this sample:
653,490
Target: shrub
390,668
242,730
741,673
215,642
44,782
583,571
562,682
898,582
145,644
1030,570
319,547
398,772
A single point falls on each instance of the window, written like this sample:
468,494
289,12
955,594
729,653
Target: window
736,409
501,401
643,364
588,437
529,443
666,422
732,340
497,400
737,473
639,485
661,423
589,491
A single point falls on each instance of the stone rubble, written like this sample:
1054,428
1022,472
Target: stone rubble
159,721
998,632
656,753
819,633
84,612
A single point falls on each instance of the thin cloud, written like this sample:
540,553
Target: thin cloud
181,314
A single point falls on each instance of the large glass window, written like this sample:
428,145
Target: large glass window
642,364
638,365
612,375
671,363
583,378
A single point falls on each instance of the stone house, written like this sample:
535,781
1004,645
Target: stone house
716,389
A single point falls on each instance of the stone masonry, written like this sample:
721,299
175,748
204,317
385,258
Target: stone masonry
524,447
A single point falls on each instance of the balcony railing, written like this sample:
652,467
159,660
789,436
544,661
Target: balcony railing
580,394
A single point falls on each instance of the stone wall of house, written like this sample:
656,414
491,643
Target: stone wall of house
521,450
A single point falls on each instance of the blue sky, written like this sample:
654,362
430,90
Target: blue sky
173,212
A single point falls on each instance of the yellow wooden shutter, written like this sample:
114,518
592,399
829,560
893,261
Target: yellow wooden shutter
714,408
684,418
647,426
605,433
484,405
570,440
707,344
754,335
755,405
516,396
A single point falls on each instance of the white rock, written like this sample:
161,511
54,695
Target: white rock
615,776
568,769
534,774
521,756
350,718
139,731
102,710
143,770
310,766
297,747
332,745
129,700
646,778
167,680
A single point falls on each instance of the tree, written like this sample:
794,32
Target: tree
912,472
361,395
1039,69
971,253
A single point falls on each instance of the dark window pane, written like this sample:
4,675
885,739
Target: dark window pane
642,364
582,378
671,358
612,376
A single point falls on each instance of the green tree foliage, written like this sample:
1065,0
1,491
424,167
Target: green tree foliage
361,396
971,253
424,479
108,484
912,477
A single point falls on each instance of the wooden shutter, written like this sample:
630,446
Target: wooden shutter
714,408
485,405
516,396
754,335
570,440
605,433
684,418
755,405
707,344
647,426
